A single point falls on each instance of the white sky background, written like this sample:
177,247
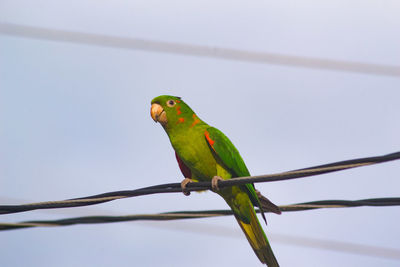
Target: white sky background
74,121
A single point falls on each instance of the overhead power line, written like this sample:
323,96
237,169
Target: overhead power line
216,230
176,215
196,50
198,186
332,245
340,246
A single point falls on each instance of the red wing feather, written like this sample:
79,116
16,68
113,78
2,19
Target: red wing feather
187,173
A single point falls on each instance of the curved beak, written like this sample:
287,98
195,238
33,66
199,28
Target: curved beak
158,113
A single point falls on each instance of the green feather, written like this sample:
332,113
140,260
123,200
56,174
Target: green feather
207,152
231,158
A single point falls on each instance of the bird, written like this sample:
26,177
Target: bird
204,153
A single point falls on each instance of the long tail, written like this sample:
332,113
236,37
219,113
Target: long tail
258,241
254,232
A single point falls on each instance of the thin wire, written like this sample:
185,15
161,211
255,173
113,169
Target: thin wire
340,246
302,241
195,50
198,186
178,215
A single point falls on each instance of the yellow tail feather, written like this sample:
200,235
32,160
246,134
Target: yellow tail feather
258,241
246,216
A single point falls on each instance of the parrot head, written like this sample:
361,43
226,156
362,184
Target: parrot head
171,110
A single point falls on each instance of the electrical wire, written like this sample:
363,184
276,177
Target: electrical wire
199,186
195,50
166,216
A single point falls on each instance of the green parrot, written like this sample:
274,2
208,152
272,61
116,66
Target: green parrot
205,154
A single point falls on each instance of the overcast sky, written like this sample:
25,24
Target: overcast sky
75,121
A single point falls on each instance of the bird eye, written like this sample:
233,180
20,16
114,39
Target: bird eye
171,103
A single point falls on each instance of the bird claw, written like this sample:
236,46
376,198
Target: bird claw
214,183
183,186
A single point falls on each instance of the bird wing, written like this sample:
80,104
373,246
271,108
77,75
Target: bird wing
230,157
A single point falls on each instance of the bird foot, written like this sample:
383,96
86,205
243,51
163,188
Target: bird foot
214,183
183,186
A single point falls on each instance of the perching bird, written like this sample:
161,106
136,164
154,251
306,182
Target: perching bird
205,154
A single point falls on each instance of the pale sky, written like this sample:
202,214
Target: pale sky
74,121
